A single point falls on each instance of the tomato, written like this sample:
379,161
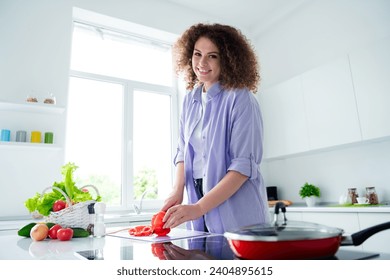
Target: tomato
65,234
53,231
157,224
59,205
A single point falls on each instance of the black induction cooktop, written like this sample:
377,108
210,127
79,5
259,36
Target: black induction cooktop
213,247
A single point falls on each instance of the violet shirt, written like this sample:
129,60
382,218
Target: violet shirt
232,140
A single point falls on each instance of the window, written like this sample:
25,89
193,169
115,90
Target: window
121,117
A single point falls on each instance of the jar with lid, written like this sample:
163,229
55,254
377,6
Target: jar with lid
50,99
371,195
32,97
352,195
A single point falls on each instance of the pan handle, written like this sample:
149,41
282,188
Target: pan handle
359,237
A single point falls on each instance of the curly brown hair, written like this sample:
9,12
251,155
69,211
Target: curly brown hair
239,65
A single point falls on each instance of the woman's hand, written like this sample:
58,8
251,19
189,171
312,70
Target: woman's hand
178,214
175,198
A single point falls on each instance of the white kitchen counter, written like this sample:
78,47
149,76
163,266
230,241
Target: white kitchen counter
110,218
129,218
15,247
335,207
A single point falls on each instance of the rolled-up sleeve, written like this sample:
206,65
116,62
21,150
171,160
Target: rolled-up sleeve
178,157
180,145
246,138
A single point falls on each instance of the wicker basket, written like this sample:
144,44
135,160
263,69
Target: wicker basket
76,215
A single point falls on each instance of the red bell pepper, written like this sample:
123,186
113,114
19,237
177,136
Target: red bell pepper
157,224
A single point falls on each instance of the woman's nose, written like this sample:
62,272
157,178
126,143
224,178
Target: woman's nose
203,61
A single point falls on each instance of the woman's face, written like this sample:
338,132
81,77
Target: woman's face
206,62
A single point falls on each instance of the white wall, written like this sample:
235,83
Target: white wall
319,32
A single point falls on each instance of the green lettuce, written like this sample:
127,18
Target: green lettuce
43,203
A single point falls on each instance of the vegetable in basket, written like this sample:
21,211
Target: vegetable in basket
43,202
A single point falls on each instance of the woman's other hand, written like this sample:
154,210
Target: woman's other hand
175,198
178,214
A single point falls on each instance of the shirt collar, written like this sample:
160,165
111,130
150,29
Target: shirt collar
211,93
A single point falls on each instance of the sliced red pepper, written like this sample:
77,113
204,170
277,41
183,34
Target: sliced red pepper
157,224
146,231
141,231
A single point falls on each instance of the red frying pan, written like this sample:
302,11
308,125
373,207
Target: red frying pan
293,240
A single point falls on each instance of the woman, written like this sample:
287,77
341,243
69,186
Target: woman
220,142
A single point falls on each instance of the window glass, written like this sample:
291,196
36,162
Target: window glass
151,144
94,135
101,51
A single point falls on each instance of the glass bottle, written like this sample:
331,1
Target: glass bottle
371,195
91,212
352,195
99,229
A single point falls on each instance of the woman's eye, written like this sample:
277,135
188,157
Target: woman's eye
213,56
196,54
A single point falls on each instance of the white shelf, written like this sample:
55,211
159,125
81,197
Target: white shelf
24,145
31,107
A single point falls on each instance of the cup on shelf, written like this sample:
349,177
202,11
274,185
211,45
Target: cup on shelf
35,137
362,200
49,137
5,135
21,136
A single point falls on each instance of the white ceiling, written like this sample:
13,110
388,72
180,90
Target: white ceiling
252,15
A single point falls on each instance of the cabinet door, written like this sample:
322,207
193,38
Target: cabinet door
330,105
346,221
285,130
371,71
380,242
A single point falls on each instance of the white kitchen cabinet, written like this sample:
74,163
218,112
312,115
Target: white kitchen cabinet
371,71
380,242
350,221
345,221
332,117
285,130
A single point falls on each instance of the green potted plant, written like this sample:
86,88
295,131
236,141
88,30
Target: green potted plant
310,193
